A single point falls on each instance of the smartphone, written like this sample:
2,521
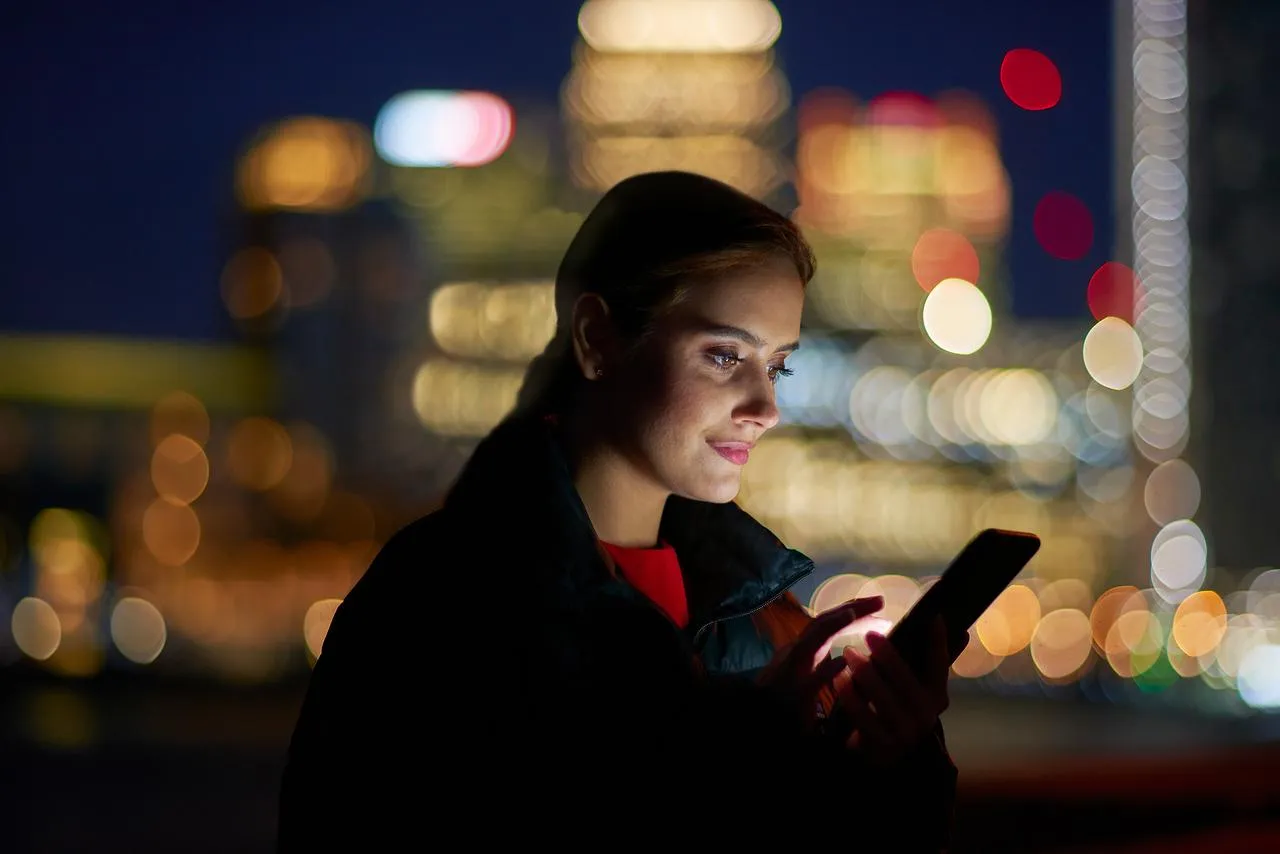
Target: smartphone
982,570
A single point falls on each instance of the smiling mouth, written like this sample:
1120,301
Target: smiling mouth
735,452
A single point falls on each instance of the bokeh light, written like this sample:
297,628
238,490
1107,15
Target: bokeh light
302,493
1112,290
315,625
181,413
675,26
976,660
1179,555
1112,353
957,317
252,284
307,163
1061,643
259,453
171,532
1172,492
435,129
36,628
138,629
1258,678
1200,623
1063,225
179,469
941,253
1030,79
1009,624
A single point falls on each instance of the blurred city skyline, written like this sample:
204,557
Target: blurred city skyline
129,125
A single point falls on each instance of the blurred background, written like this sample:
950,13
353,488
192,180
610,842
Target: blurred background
270,270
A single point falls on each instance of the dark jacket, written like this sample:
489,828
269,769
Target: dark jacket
489,656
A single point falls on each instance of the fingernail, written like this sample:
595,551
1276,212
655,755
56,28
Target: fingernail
875,640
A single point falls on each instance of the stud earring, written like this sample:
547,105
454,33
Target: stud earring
599,373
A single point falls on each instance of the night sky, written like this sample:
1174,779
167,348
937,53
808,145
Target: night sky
121,126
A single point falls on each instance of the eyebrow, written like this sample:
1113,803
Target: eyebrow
745,336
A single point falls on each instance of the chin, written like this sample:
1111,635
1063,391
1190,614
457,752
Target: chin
714,491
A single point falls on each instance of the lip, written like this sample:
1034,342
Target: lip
734,452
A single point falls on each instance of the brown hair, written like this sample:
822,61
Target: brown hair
649,239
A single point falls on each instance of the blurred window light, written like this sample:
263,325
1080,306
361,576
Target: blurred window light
737,161
510,322
957,317
307,163
1030,79
36,628
679,26
138,629
648,94
443,128
1113,353
456,399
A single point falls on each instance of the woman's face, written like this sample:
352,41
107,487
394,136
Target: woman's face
700,388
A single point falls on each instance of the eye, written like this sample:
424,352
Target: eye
776,371
724,360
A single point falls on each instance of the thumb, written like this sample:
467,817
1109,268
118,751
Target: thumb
816,640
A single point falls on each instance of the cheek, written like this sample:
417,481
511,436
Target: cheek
687,407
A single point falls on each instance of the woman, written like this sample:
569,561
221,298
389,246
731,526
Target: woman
590,627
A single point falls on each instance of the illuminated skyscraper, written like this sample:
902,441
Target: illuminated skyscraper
677,84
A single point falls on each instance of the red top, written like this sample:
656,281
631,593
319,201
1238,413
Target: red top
656,574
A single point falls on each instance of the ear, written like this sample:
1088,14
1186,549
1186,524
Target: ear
595,340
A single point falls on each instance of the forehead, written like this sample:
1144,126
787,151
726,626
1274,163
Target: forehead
767,301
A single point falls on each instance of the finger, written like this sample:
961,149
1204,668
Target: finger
825,672
921,700
869,731
815,642
894,712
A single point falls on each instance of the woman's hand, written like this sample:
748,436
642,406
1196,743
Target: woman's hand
800,671
892,708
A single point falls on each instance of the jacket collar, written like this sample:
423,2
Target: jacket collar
519,475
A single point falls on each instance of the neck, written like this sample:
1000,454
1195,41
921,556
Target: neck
625,507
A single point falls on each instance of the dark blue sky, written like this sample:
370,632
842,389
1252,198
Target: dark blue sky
121,125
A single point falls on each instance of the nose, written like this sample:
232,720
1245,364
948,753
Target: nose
759,404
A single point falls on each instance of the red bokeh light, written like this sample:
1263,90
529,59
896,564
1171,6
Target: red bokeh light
1113,289
941,253
1063,226
1030,79
903,108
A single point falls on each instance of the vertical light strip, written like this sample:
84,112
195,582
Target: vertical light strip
1162,261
